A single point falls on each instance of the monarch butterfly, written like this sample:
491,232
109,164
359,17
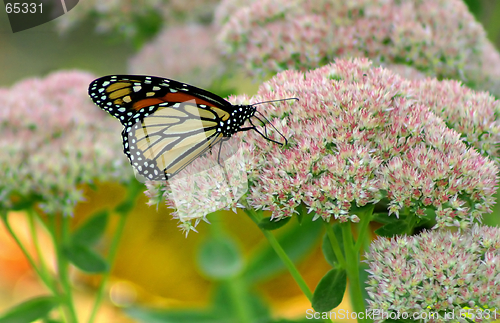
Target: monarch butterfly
168,124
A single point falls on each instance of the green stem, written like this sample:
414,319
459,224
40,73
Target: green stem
63,264
366,218
32,216
352,268
46,279
123,209
34,238
113,250
240,299
335,244
282,255
236,286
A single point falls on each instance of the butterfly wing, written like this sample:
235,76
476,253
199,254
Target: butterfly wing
164,143
167,124
123,96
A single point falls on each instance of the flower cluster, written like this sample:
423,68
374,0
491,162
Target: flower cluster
438,271
363,135
437,37
53,139
356,135
472,114
185,52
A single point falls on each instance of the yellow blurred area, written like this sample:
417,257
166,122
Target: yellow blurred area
156,263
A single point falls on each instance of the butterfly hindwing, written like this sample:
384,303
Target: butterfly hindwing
164,143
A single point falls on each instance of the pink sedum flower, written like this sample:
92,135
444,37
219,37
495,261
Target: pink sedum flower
53,139
438,38
357,136
449,273
362,135
473,114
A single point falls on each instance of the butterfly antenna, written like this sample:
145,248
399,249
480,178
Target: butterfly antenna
286,141
297,99
265,135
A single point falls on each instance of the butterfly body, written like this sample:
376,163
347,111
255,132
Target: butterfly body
167,124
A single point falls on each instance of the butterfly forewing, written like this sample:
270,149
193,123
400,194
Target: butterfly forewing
124,95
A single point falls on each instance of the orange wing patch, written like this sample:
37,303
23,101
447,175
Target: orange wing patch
170,97
183,97
146,103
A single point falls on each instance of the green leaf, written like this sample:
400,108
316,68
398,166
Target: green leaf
20,202
268,224
326,246
85,258
302,212
219,258
392,229
384,218
297,242
93,229
330,291
30,310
